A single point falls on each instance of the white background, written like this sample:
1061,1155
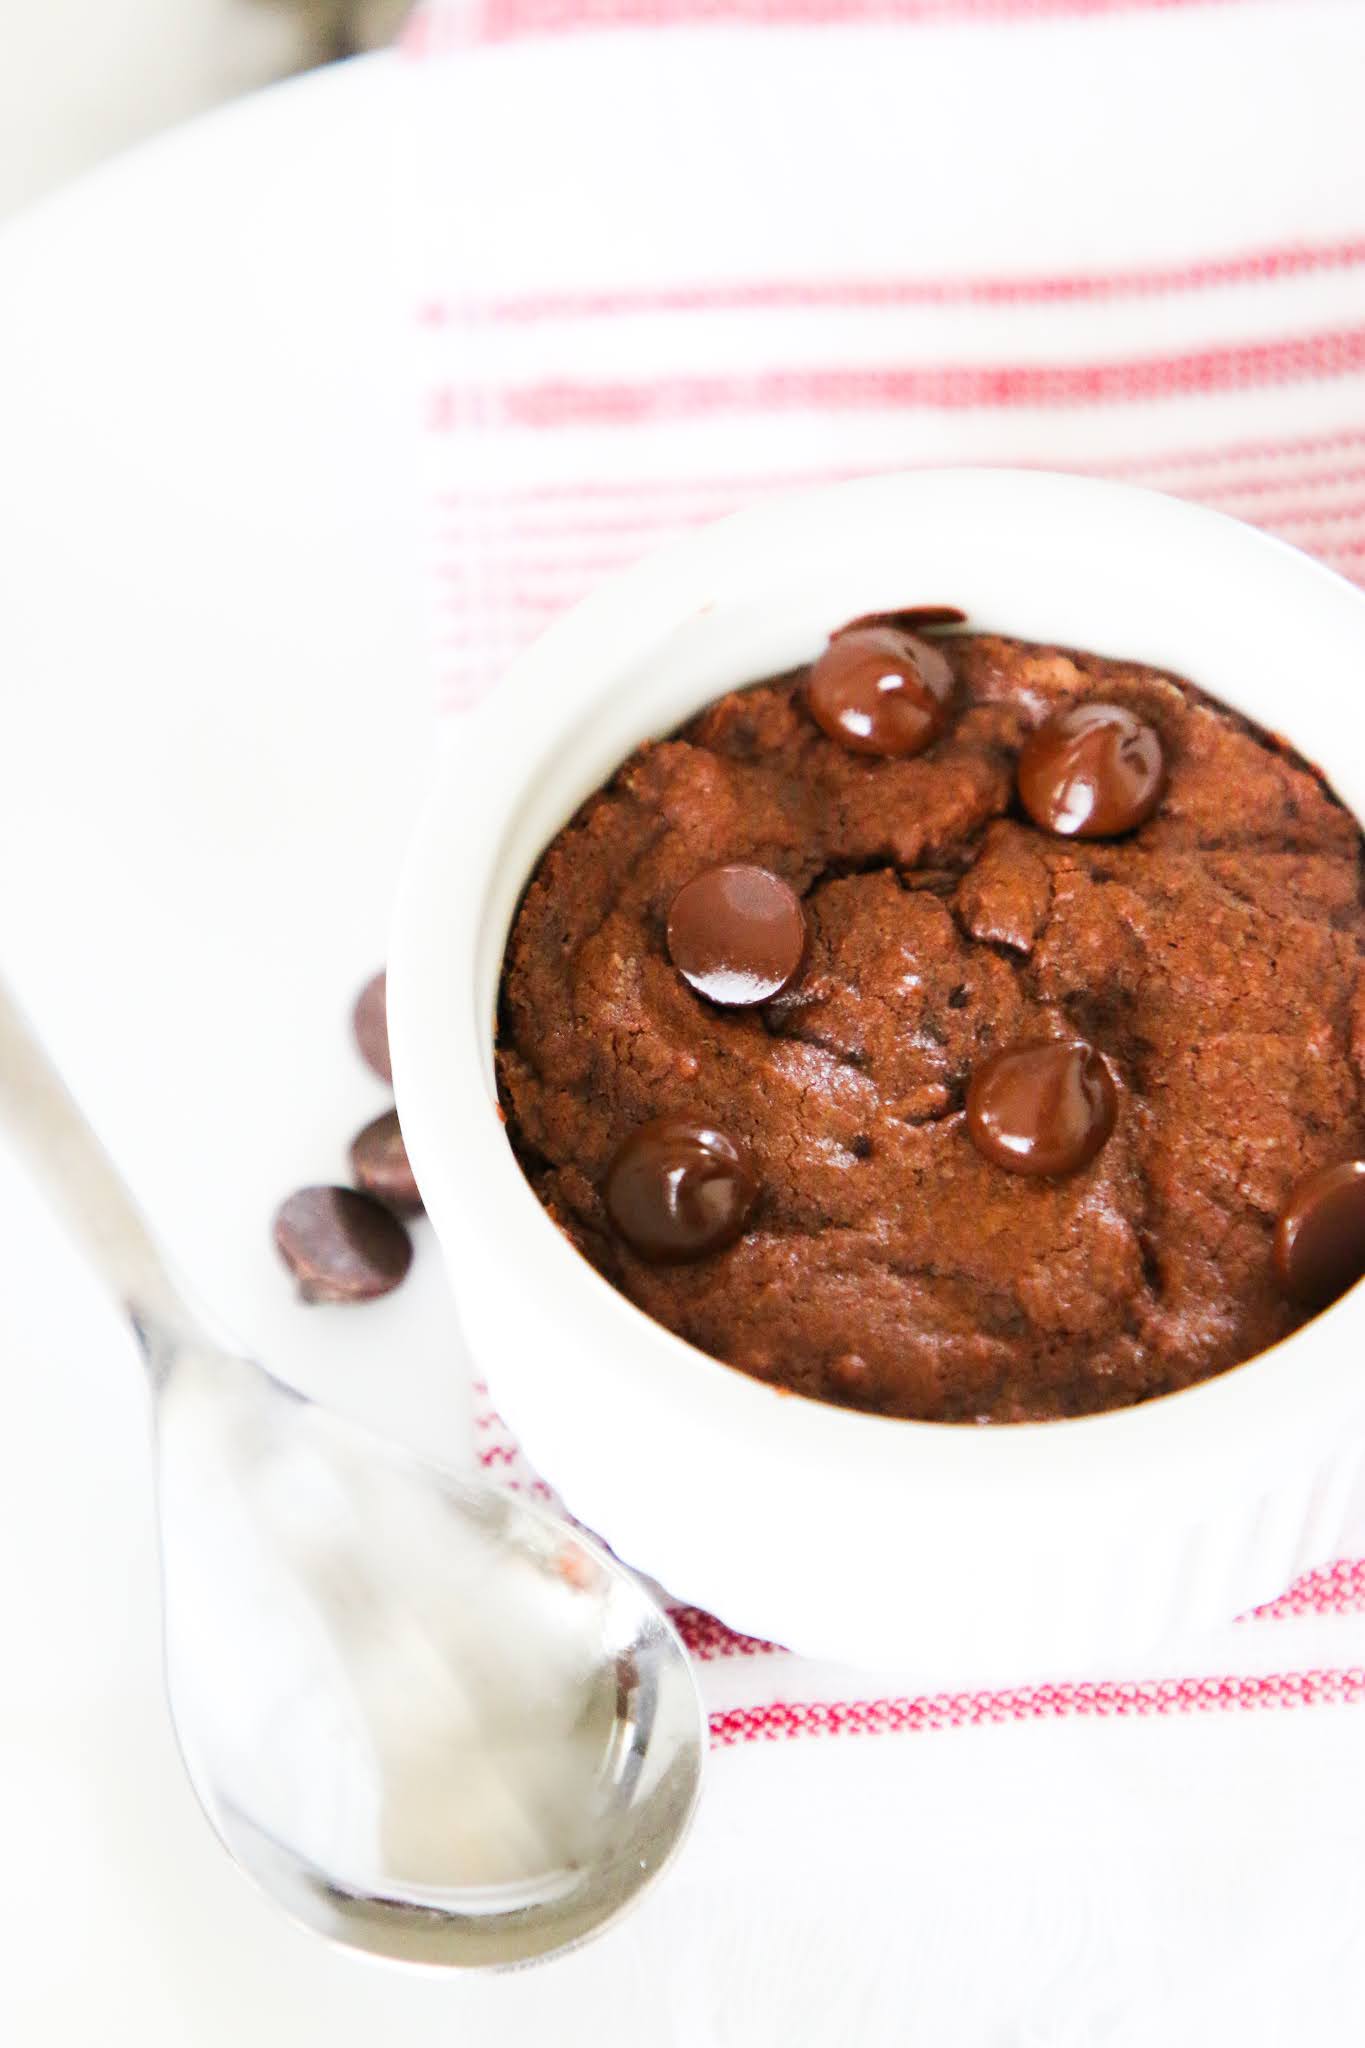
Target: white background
82,78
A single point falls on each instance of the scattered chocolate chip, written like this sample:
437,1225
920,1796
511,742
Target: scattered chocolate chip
915,618
879,691
1045,1108
371,1021
380,1163
677,1190
1320,1237
1092,772
737,935
341,1246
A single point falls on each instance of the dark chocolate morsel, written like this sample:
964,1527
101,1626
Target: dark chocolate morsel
1320,1237
677,1190
914,618
341,1246
737,935
380,1163
879,691
371,1022
1092,772
1044,1108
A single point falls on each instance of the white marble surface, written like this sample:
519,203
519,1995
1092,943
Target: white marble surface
83,79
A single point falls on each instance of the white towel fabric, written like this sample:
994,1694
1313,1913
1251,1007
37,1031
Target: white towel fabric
673,255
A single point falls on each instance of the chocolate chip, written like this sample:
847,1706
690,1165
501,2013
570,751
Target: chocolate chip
341,1246
737,935
879,691
914,618
1092,772
371,1022
1320,1237
380,1163
1044,1108
676,1190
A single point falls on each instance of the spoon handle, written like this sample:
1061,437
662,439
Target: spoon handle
66,1158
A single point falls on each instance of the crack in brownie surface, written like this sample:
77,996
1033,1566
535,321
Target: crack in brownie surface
1213,957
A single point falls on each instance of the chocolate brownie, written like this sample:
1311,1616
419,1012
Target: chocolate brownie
881,1218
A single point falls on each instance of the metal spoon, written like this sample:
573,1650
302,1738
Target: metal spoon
431,1721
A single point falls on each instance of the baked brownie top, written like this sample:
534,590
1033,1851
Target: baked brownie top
1212,957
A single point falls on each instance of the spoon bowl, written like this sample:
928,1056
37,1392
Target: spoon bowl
433,1721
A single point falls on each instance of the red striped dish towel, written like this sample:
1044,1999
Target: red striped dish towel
674,255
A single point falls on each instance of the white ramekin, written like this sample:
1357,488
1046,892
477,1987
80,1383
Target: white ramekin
955,1551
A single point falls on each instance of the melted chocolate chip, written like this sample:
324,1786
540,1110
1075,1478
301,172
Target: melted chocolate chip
1045,1108
1092,772
676,1190
341,1246
879,691
1320,1237
915,618
380,1163
371,1022
737,935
